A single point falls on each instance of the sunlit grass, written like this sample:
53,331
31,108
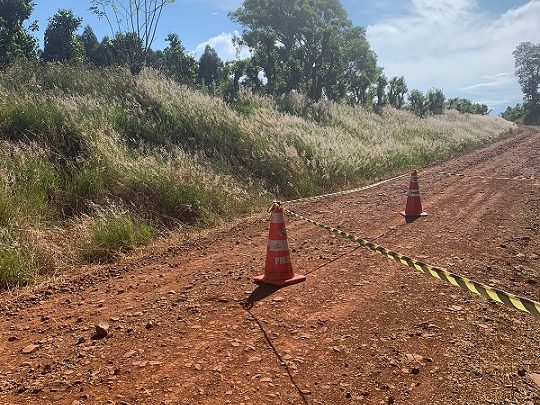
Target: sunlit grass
116,233
75,142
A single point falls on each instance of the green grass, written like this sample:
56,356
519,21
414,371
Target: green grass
11,267
115,234
9,210
76,142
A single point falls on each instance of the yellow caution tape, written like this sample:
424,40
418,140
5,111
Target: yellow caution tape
491,293
342,193
356,190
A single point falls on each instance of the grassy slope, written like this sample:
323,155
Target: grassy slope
95,162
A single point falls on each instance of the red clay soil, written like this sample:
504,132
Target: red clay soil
187,326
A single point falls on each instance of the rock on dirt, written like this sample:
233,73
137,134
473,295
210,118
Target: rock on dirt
31,348
102,331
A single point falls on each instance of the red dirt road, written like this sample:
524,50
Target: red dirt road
188,327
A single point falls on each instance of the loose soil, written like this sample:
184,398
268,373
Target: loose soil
187,326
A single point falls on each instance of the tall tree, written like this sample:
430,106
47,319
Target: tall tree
417,103
306,45
90,44
233,71
136,22
396,92
381,95
209,67
435,101
252,79
178,63
360,67
126,51
61,43
15,41
527,56
104,53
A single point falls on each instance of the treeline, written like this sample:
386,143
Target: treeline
300,46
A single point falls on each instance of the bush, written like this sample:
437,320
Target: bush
83,186
33,186
41,121
169,200
9,210
115,234
12,269
300,106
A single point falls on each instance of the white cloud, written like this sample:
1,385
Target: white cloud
498,76
501,81
443,10
224,46
456,46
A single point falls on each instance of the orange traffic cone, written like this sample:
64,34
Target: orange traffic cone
414,205
278,270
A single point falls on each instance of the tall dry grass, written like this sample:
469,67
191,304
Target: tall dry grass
110,159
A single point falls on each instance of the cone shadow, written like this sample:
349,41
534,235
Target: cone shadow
260,293
409,219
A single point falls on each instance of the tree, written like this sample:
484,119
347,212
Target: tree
435,101
417,103
527,57
481,109
396,92
233,71
514,114
15,41
104,55
307,45
177,62
155,59
466,106
359,65
381,96
61,44
252,79
460,104
209,67
126,49
136,22
90,44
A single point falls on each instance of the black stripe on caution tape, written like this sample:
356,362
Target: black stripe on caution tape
491,293
342,193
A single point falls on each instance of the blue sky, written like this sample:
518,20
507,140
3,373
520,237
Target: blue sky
462,46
